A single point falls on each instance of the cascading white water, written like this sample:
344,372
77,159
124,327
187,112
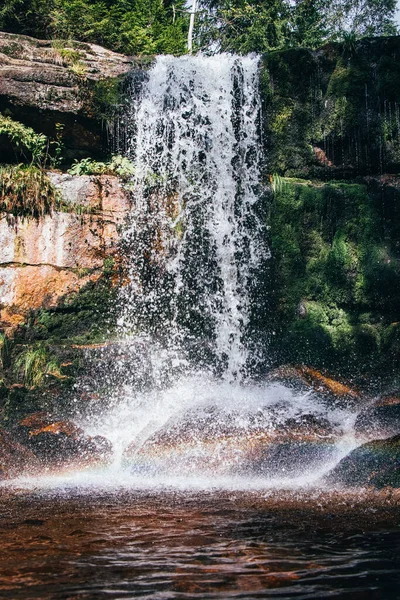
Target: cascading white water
198,156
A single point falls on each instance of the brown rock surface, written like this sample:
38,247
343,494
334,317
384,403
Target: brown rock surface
62,443
34,73
324,384
44,87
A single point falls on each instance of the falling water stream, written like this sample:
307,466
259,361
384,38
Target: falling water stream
216,488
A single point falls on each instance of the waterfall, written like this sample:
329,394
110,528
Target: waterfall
184,405
197,240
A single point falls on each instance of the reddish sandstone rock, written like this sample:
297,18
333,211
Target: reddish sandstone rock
44,261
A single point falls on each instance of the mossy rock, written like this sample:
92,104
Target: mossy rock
336,275
341,104
375,464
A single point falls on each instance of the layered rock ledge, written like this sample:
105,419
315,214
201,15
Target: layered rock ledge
44,83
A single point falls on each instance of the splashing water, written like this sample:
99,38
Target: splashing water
185,408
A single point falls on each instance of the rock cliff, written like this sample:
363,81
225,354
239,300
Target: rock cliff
43,261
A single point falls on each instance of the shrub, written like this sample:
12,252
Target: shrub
118,165
22,136
26,191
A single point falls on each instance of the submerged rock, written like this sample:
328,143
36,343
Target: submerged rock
62,443
375,463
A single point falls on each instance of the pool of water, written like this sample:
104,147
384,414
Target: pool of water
74,543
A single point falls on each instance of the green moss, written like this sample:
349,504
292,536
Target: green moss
13,49
342,103
104,97
337,276
85,318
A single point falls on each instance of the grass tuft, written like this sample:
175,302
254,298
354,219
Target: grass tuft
26,191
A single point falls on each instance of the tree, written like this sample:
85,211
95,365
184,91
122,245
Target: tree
325,20
262,25
128,26
243,25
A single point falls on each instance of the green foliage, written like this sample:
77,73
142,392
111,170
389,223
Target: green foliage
5,351
24,137
154,27
34,364
84,318
337,279
257,25
122,166
128,26
26,191
87,166
333,111
242,26
58,147
117,165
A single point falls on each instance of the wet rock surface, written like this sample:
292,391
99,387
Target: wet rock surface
379,421
375,464
15,458
61,442
229,443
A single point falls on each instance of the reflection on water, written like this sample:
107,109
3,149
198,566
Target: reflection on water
72,544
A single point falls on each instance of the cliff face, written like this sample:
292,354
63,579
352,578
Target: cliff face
332,141
43,261
330,117
71,84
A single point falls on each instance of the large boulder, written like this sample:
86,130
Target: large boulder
61,443
217,442
381,420
375,463
45,83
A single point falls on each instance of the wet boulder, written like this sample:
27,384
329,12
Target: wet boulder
375,464
325,385
229,443
62,442
15,459
380,420
297,446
